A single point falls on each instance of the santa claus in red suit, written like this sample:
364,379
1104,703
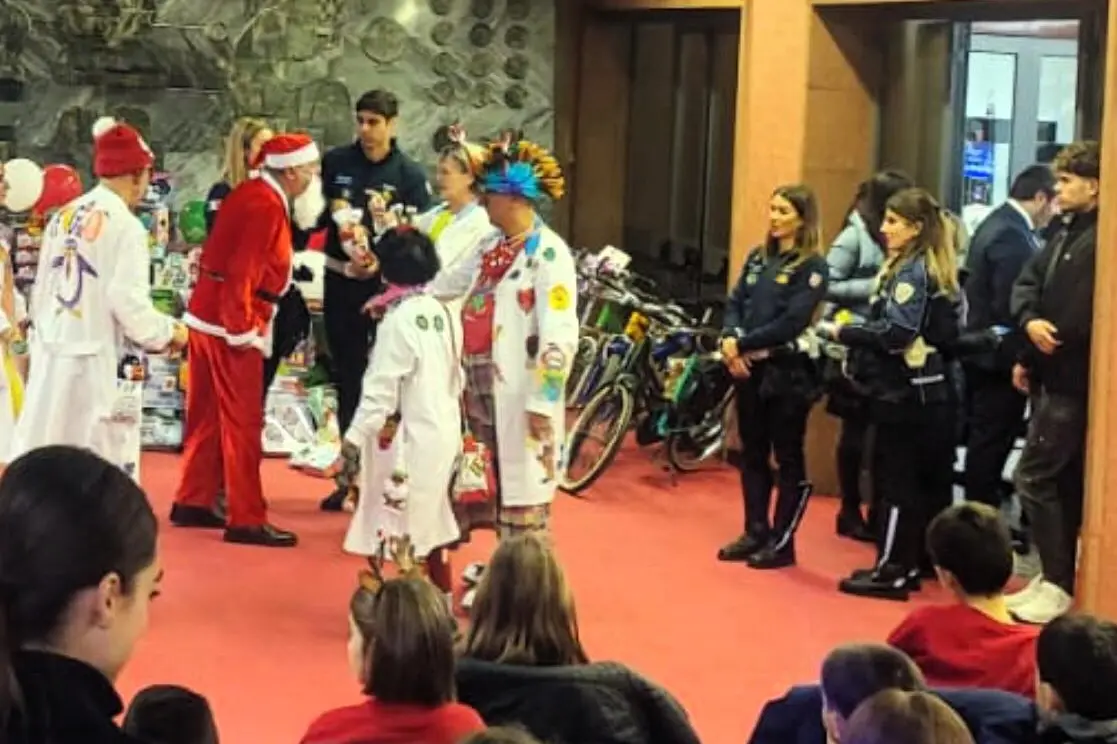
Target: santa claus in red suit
245,267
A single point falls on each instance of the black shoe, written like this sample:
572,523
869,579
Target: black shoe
196,517
770,557
335,502
265,536
742,548
851,524
915,577
887,582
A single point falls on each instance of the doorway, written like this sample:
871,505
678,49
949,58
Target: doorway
678,161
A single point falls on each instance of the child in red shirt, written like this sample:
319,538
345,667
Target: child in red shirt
408,673
973,642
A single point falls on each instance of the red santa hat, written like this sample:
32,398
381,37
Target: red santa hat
287,151
118,149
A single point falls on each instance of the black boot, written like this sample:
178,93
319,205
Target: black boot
790,506
756,485
851,524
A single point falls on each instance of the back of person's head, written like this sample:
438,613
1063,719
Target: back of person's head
501,735
971,548
524,612
408,258
873,194
77,562
1035,180
904,717
1076,660
168,714
853,673
402,642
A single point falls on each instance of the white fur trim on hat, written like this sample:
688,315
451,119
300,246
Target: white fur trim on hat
103,125
306,154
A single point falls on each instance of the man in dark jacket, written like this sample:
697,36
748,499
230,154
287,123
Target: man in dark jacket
999,250
1053,302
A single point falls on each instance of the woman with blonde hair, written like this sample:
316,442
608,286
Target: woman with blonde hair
774,301
899,359
241,147
900,717
522,661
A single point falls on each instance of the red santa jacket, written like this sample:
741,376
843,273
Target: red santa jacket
245,266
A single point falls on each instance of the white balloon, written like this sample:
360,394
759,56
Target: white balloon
25,184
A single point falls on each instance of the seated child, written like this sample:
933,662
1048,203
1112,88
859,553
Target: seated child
1076,657
407,427
501,735
899,717
401,648
853,673
973,641
167,714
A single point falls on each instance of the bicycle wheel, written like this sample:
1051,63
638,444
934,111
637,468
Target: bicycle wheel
612,405
687,450
584,362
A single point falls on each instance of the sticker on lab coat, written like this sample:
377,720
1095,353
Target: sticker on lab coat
421,321
559,298
526,299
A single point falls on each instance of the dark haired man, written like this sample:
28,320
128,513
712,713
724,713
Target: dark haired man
1076,658
371,175
1005,241
973,641
1053,302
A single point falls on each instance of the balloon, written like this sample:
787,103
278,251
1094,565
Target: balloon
192,222
61,185
25,184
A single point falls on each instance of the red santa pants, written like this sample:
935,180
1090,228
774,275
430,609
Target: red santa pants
224,420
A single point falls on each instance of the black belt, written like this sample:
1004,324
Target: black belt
261,294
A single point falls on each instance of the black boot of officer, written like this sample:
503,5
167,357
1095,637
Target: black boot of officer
756,484
791,503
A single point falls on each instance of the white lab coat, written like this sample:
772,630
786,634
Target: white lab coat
414,369
529,472
91,298
458,239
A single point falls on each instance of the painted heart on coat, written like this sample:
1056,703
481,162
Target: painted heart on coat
526,298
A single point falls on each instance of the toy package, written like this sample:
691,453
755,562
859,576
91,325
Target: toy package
317,457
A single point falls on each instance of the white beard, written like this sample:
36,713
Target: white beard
309,205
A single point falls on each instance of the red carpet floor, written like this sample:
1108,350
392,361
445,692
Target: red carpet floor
262,632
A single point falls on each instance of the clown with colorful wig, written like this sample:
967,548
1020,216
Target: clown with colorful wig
520,332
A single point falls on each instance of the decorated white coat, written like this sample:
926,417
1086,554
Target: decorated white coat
456,236
90,300
535,335
415,369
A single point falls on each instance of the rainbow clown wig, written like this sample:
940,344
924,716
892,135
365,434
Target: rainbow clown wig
521,168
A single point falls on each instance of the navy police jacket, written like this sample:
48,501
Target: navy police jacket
772,304
900,354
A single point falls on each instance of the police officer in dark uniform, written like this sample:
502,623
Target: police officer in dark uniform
370,174
900,358
773,303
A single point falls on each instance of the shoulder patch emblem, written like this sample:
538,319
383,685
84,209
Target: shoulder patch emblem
903,292
815,281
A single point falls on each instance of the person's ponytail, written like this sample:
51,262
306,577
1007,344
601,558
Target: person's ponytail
942,255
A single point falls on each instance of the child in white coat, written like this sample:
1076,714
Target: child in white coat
413,376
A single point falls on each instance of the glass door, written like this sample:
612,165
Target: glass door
679,161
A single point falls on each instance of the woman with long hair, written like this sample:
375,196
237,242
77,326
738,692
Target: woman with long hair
898,359
242,145
522,661
774,301
401,649
78,572
854,260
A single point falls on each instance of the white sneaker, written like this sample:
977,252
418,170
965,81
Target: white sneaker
1047,603
1025,595
472,573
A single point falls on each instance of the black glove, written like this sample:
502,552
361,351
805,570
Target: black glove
302,274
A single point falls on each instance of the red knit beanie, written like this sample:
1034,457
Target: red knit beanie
118,149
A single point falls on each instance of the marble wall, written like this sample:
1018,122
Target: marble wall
181,70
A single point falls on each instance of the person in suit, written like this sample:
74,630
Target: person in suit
1002,245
